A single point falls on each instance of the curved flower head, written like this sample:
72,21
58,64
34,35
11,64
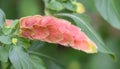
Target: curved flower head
55,30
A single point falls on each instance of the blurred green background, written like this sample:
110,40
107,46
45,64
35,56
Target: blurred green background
71,59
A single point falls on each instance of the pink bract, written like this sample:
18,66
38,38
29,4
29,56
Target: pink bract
55,30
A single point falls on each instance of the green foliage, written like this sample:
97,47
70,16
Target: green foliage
2,19
70,6
109,10
6,31
52,65
55,5
11,28
21,59
5,39
4,53
37,62
24,42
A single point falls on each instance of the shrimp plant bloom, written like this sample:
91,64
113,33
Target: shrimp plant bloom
54,30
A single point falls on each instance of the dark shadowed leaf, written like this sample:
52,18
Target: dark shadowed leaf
52,65
36,45
37,62
4,53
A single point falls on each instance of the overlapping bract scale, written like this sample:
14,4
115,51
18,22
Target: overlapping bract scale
55,30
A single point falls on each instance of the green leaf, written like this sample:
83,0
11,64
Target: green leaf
1,33
89,5
12,67
53,61
2,19
52,65
81,22
55,5
21,59
4,53
6,31
37,62
70,6
5,39
36,45
24,42
110,11
11,29
4,65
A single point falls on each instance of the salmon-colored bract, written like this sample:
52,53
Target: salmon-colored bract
55,30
